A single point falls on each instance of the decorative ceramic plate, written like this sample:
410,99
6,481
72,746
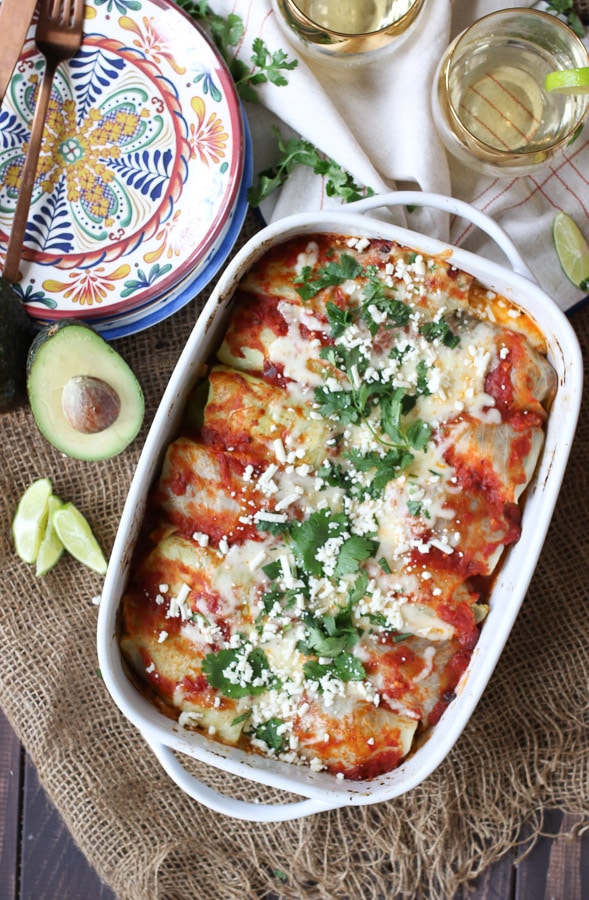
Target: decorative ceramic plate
132,321
141,164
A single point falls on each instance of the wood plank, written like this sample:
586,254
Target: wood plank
10,790
496,883
558,866
52,865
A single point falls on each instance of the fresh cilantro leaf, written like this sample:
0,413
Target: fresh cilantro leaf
358,590
339,319
239,719
345,667
414,507
297,152
439,330
270,598
352,552
401,637
338,403
215,667
307,536
272,570
269,732
349,668
422,379
331,275
384,565
334,476
418,434
272,527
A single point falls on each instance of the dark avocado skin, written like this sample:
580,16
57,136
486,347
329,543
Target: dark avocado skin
16,335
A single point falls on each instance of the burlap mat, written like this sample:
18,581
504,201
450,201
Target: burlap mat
525,747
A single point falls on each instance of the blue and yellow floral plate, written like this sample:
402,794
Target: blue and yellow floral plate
141,169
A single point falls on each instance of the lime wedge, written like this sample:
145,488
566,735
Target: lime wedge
51,547
76,536
568,81
572,250
30,519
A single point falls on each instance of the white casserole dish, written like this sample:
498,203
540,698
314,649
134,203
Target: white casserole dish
323,791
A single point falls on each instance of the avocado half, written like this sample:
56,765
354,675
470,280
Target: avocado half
85,399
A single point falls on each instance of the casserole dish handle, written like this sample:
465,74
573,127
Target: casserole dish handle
229,806
455,207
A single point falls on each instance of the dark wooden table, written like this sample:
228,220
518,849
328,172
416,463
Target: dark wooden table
39,860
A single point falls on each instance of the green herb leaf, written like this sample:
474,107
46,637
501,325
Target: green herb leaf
215,667
339,319
269,733
440,330
352,552
239,719
345,667
297,152
308,536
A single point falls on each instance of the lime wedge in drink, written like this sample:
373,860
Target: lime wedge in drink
572,250
568,81
30,519
75,533
51,546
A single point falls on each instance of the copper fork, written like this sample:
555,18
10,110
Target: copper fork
58,37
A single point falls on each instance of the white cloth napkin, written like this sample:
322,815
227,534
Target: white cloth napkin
375,121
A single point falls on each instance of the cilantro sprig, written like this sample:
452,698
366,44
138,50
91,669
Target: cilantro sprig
296,152
226,33
345,667
271,734
219,667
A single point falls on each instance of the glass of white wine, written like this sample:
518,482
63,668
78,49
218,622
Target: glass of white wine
351,31
489,102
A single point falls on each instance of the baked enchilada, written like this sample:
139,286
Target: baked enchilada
320,546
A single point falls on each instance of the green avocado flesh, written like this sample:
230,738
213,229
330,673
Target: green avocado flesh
16,334
85,399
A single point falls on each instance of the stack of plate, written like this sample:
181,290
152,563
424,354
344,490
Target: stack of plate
142,181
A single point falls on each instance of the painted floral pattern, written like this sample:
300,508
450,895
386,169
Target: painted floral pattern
137,168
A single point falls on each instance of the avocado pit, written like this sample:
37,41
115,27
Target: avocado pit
90,404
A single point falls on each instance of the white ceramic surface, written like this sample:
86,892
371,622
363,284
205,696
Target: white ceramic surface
321,790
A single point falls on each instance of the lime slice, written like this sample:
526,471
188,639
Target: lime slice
51,547
30,519
572,250
568,81
76,536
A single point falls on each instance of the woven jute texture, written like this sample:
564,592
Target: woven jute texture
526,746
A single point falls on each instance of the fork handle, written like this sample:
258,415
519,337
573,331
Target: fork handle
21,213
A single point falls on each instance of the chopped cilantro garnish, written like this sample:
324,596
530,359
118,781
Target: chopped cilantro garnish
239,719
339,319
272,570
353,550
333,274
220,668
268,732
345,667
272,527
440,330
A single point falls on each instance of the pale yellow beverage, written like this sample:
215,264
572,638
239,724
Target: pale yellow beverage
353,31
497,91
488,101
355,16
